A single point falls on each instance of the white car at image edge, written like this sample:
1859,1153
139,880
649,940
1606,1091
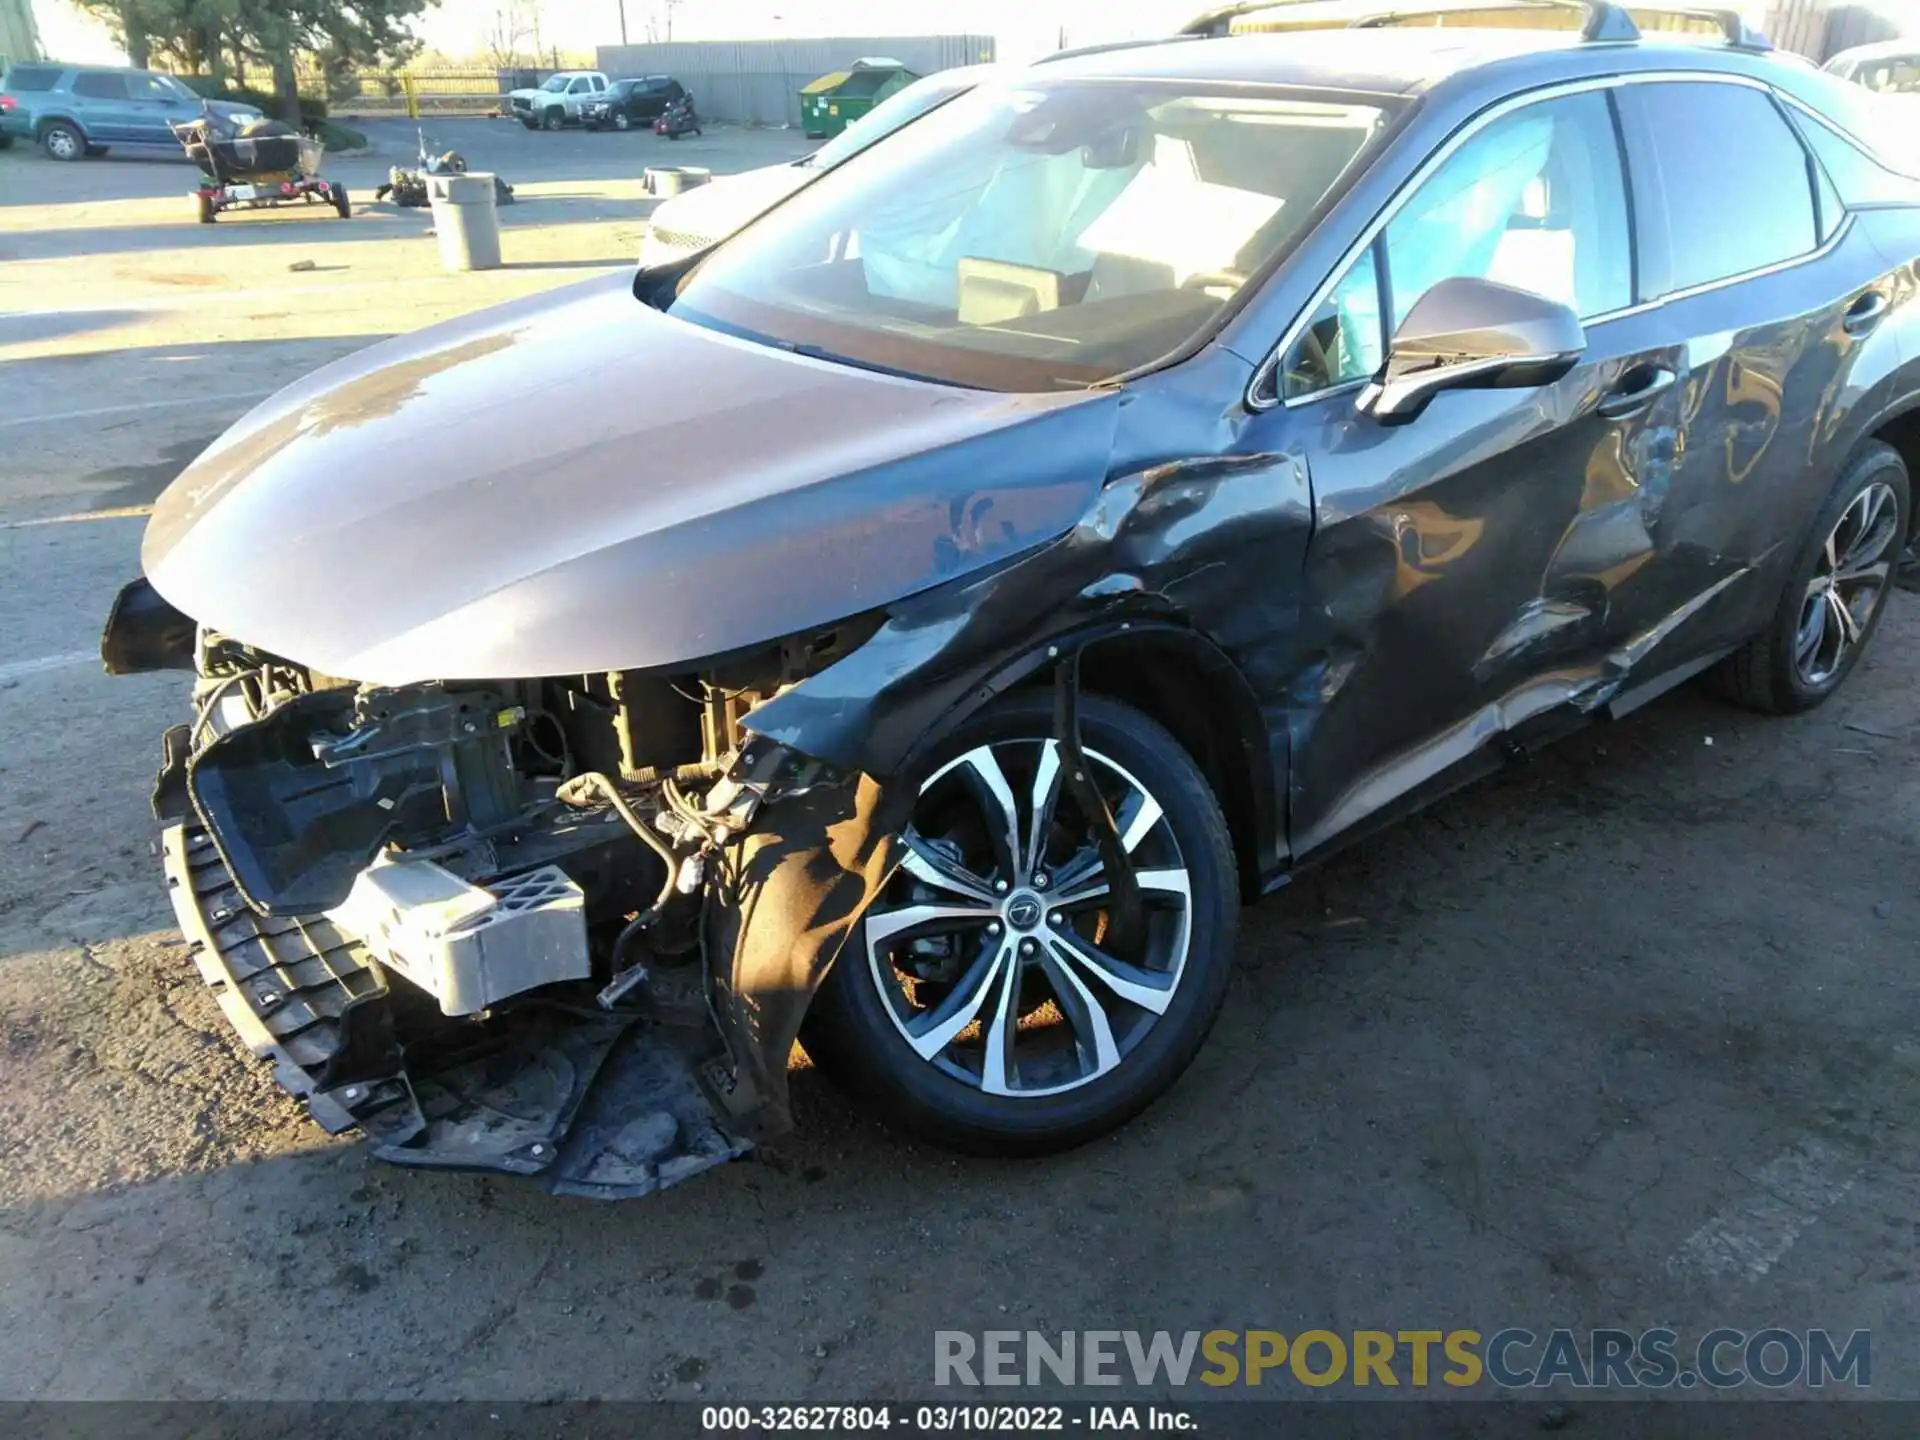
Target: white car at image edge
691,222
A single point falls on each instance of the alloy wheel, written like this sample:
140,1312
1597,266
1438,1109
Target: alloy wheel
621,120
63,144
988,948
1850,578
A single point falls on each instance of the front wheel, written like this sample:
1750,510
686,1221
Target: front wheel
1834,597
206,209
987,1000
62,142
622,120
554,119
342,203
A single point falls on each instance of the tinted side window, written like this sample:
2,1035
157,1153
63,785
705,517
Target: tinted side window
1735,178
1862,180
97,86
1536,200
23,79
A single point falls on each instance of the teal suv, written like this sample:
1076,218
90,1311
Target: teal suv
73,111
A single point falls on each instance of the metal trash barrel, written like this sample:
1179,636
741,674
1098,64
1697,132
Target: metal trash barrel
464,221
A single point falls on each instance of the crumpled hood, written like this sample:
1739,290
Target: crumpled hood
576,482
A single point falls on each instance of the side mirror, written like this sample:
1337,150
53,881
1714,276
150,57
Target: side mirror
1468,334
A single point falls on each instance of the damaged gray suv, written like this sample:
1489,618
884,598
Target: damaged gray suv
915,625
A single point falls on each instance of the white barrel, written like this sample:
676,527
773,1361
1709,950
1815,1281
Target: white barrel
465,221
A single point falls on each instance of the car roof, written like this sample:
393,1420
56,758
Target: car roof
87,69
1406,60
1879,50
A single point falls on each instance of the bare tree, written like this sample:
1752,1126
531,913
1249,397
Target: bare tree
514,27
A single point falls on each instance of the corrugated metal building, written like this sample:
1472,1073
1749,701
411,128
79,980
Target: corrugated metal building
758,81
19,39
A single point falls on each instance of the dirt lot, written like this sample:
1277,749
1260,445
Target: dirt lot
1626,1036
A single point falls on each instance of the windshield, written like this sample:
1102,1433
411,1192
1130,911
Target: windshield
555,82
888,116
1036,235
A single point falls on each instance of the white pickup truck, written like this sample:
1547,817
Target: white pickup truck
557,100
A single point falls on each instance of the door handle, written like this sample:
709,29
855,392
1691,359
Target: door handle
1865,313
1637,389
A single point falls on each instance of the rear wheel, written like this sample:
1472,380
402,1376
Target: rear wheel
554,119
1834,597
981,1002
206,209
61,141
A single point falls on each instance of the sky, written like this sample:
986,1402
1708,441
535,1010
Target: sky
460,27
1024,29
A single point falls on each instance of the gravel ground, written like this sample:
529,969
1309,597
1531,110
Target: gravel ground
1553,1053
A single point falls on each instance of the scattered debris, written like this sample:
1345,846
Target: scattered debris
32,825
300,265
1869,730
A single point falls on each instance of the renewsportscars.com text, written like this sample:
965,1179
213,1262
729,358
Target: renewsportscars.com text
1512,1358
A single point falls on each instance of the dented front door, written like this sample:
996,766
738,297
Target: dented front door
1463,572
1466,571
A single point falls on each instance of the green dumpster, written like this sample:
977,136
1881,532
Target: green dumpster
831,103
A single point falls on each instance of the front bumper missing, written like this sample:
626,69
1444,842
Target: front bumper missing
600,1105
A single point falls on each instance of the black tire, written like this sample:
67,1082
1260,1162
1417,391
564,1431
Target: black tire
342,202
6,142
850,1031
206,209
622,120
554,119
1767,673
62,141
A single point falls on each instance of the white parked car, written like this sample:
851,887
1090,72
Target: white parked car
701,217
558,100
1891,70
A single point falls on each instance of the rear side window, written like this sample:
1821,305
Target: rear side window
1738,189
1862,180
96,85
23,79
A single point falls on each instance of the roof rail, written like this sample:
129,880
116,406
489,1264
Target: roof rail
1217,23
1605,20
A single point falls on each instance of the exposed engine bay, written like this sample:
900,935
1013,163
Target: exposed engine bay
446,910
